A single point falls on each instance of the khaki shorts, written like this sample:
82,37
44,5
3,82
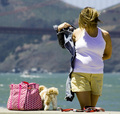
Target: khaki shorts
81,82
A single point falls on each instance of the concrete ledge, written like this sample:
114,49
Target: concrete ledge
6,111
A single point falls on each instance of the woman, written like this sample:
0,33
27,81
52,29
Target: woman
92,45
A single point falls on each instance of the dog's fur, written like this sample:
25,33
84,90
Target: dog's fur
48,95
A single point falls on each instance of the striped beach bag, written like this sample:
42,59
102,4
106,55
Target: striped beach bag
24,96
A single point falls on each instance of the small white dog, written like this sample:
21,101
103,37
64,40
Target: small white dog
48,95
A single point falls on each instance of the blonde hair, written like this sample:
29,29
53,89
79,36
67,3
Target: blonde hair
88,17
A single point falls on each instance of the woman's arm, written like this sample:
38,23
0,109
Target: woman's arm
108,49
66,25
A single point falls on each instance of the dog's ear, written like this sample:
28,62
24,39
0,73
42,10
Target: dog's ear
56,91
53,90
47,92
41,88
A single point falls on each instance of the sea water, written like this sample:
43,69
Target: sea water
110,99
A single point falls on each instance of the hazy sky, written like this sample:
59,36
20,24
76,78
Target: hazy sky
97,4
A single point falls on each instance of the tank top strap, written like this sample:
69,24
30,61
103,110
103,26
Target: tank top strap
99,33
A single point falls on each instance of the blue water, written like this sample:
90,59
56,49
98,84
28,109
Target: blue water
110,99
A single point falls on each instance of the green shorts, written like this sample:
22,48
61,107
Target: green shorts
81,82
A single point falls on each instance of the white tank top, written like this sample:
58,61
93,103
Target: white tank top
89,53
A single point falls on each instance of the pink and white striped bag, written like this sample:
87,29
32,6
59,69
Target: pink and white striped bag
24,96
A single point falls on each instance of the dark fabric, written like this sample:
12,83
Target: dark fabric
69,94
65,41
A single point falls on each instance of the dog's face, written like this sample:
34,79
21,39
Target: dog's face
41,88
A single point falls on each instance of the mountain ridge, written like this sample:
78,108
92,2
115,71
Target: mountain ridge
27,51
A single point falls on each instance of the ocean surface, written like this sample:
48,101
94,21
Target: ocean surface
110,99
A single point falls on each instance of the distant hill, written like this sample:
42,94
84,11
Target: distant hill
16,49
42,52
111,18
111,22
36,13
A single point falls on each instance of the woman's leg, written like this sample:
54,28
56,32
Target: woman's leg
84,98
94,99
87,99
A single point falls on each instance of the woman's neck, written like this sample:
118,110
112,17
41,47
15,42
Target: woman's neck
93,32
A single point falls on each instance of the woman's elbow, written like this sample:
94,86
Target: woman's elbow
105,56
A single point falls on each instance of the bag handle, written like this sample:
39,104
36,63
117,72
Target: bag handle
29,84
25,82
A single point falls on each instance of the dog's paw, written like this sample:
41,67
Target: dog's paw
54,108
46,107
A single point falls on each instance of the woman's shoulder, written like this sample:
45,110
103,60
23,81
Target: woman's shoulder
76,30
76,33
104,32
105,35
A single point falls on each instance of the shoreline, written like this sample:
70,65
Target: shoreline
6,111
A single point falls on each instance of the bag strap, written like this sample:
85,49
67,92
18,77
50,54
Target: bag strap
70,109
93,109
19,96
11,96
65,110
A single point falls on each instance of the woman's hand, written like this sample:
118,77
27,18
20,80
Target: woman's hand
63,25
